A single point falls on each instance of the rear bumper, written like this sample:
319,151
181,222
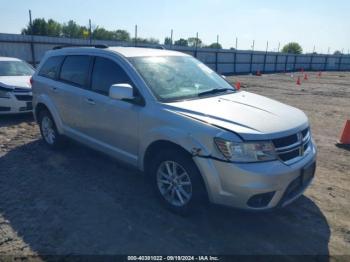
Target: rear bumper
256,186
16,103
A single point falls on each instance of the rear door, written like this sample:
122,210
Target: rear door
114,124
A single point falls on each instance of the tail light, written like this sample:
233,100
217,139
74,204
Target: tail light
31,80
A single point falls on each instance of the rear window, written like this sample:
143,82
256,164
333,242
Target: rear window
75,70
51,67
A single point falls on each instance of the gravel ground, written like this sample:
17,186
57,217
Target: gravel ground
78,201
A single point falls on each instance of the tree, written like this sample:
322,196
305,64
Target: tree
121,35
53,28
214,45
167,41
292,48
102,34
38,27
337,52
192,42
72,29
181,42
150,40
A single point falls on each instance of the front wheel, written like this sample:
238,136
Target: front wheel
177,181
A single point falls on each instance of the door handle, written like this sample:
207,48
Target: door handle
90,101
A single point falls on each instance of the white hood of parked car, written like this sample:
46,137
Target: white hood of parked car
15,81
251,116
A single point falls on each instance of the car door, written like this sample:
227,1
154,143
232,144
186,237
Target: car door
73,82
113,124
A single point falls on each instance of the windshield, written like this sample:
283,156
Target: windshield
173,78
15,68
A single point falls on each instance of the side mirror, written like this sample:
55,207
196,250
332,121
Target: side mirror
121,92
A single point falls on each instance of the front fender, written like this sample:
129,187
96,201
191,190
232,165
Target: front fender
177,136
45,100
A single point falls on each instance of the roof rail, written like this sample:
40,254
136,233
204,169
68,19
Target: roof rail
67,46
151,46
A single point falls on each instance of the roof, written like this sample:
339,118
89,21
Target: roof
124,51
138,51
3,58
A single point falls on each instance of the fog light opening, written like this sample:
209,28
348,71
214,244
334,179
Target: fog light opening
260,200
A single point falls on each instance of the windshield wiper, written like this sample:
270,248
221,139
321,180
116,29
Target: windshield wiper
215,91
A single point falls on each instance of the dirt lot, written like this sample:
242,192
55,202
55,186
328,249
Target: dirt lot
77,201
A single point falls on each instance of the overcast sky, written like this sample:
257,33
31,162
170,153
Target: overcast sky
320,23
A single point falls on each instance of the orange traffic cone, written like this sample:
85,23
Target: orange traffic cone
345,137
258,73
319,74
298,81
305,77
238,85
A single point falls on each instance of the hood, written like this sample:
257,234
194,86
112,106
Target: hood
13,82
251,116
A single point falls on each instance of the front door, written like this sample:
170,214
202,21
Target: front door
113,124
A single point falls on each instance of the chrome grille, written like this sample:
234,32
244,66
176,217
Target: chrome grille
291,148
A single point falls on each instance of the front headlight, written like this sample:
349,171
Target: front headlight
246,152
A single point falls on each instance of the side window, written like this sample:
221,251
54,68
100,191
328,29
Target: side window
51,67
75,69
106,73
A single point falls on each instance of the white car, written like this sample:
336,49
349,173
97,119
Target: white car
15,86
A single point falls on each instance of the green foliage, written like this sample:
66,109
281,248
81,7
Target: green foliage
53,28
150,40
215,45
192,41
337,52
167,41
73,30
121,35
181,42
38,27
292,48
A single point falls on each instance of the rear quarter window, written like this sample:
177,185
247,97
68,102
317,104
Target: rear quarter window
51,67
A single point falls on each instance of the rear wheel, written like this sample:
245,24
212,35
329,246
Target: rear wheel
177,181
48,130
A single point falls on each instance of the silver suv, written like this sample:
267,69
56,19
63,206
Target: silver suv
186,127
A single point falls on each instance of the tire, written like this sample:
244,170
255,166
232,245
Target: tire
186,192
49,131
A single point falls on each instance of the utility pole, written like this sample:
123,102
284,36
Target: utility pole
196,46
90,32
236,46
171,37
265,56
253,45
217,41
135,35
278,49
31,38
